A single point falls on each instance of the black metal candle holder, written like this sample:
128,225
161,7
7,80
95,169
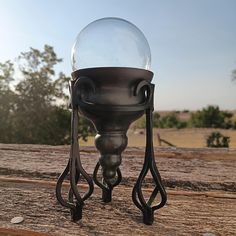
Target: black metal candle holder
112,98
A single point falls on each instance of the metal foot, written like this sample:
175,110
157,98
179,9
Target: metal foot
106,195
148,216
76,214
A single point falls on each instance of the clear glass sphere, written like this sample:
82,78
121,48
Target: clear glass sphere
111,42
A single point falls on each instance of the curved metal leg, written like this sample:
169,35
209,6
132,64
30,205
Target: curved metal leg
149,164
74,169
106,186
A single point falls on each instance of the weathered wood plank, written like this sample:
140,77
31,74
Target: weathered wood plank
185,214
27,188
196,169
83,186
20,232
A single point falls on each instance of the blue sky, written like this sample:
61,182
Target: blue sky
193,42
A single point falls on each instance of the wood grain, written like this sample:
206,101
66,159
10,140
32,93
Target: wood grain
200,185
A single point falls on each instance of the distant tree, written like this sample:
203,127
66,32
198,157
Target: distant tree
35,110
185,111
6,75
7,101
156,119
168,121
172,121
210,117
37,96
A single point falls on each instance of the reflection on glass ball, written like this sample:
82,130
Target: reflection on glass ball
111,42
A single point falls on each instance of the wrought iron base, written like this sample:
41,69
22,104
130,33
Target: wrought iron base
110,141
75,170
149,164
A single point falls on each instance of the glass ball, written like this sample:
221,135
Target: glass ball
111,42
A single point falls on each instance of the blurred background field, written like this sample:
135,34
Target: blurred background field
194,138
189,129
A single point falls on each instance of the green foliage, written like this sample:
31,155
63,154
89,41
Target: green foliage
172,121
6,75
169,121
141,122
35,112
185,111
156,119
7,101
211,117
216,139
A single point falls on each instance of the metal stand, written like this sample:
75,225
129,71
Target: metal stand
74,168
110,141
149,164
